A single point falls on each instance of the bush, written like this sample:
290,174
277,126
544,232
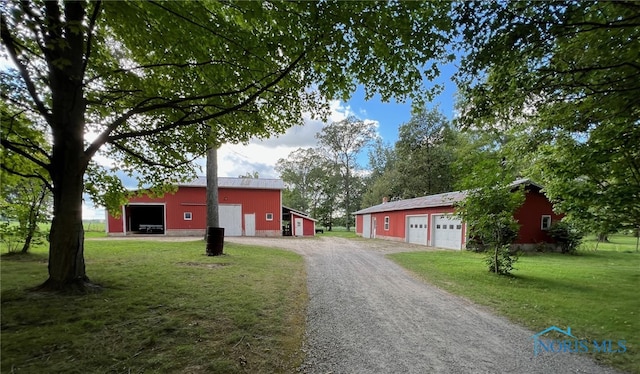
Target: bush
566,237
500,235
501,260
10,237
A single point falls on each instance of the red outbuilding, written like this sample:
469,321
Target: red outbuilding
297,223
247,207
431,220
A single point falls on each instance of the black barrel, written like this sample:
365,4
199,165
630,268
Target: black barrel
215,241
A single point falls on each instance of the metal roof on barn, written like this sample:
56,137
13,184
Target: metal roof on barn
249,183
432,201
286,209
443,199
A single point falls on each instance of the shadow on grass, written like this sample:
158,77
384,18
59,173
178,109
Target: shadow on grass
543,283
25,257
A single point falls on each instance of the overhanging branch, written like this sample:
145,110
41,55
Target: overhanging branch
10,44
147,160
27,175
90,29
15,148
105,136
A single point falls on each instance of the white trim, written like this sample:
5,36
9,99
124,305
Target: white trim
106,221
190,218
267,216
124,220
542,220
280,228
387,223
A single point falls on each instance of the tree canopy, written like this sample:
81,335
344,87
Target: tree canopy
141,83
564,79
419,163
340,143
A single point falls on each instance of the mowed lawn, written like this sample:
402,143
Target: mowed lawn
596,293
165,307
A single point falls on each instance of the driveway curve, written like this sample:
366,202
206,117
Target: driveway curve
367,314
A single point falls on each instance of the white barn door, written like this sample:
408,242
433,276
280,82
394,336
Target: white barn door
231,219
366,226
298,227
250,224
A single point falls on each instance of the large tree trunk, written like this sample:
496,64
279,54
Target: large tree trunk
214,236
347,198
213,218
68,162
66,249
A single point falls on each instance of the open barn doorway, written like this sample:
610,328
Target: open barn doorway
145,219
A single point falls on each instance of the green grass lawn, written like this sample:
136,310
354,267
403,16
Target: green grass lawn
94,229
340,232
165,307
596,293
617,243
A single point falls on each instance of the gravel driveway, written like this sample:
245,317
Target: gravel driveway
368,315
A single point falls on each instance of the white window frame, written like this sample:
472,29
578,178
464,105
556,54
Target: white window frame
386,223
546,218
188,216
269,216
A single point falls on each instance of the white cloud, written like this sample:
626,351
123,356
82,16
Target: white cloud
92,212
262,155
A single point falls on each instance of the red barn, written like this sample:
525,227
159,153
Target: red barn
248,207
431,220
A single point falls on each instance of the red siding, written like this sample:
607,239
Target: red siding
398,221
193,200
308,225
114,225
259,202
529,216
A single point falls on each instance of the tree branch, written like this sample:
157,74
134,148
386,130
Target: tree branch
90,29
105,136
24,175
212,31
36,21
147,160
15,148
24,73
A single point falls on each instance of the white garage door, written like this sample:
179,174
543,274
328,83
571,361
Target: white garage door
231,219
417,229
447,231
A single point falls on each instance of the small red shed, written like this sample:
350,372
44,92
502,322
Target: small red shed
431,220
296,223
247,207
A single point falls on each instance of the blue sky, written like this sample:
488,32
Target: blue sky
261,156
